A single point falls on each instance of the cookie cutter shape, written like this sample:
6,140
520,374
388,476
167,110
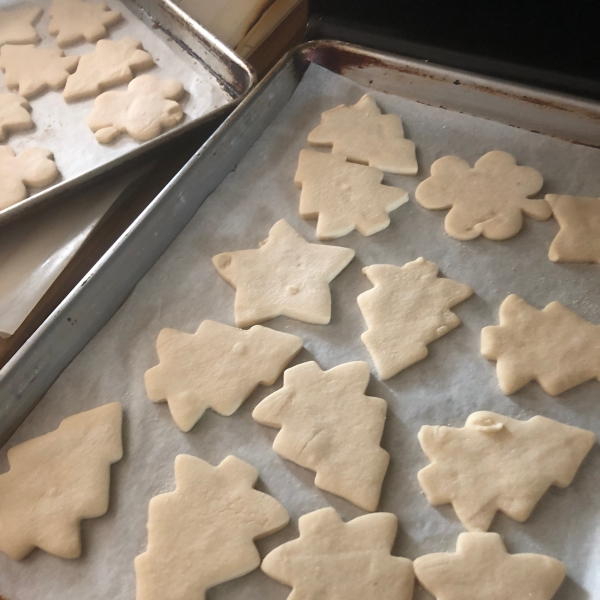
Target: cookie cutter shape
110,64
482,569
344,196
487,200
362,134
202,534
56,480
74,21
14,115
333,560
495,463
16,26
330,426
217,367
408,308
143,111
553,346
286,275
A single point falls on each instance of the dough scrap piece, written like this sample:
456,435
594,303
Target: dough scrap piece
362,134
408,308
553,346
344,196
143,111
31,167
74,21
111,63
330,426
579,237
286,275
217,367
14,115
495,463
487,200
35,70
482,569
332,560
58,479
202,534
16,26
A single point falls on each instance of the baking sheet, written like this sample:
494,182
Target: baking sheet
182,289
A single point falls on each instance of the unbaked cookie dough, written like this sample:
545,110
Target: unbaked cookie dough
16,25
14,115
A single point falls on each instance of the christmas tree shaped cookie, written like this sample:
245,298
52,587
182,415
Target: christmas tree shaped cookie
14,115
553,346
344,196
217,367
408,308
285,276
332,560
202,534
16,25
497,463
482,569
362,134
57,480
330,426
487,200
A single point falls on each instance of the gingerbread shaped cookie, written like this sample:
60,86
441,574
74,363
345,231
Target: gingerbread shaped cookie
14,115
16,25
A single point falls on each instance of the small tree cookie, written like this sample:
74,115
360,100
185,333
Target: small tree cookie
332,560
202,534
14,115
553,346
362,134
487,200
16,25
497,463
330,426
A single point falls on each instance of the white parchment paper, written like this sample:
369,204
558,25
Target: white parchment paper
182,289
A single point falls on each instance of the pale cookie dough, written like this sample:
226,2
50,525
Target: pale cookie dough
32,167
14,115
35,70
553,346
482,569
285,276
111,63
333,560
202,534
487,200
16,25
56,480
143,111
579,237
362,134
344,196
408,308
74,21
217,367
495,463
330,426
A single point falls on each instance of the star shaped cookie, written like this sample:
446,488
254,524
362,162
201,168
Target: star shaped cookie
14,114
16,26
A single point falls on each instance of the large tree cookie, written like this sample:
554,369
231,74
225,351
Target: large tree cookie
14,115
482,569
495,463
362,134
330,426
286,275
344,196
487,200
202,534
143,111
408,308
553,346
32,167
16,25
579,237
56,480
217,367
112,63
74,21
35,70
333,560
